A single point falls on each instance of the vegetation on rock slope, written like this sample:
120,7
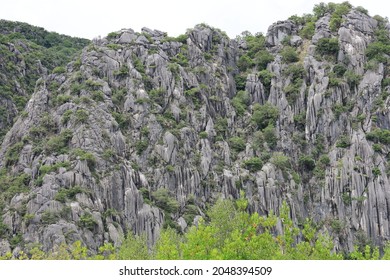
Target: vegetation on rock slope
144,132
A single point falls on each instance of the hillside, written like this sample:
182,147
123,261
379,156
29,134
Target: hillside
141,131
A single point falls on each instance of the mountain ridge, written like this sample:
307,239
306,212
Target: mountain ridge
143,131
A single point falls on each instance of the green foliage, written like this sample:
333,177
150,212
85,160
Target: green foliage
266,78
134,248
13,153
306,162
280,161
157,95
122,72
59,70
377,50
203,135
256,55
379,135
83,155
237,144
336,18
49,217
253,164
339,70
168,245
327,46
376,171
245,62
343,142
240,80
270,136
87,221
3,229
352,78
112,35
59,144
289,55
240,102
141,146
163,199
81,116
221,128
308,30
64,194
264,115
181,58
123,120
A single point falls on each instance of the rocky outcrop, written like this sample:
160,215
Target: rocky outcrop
144,131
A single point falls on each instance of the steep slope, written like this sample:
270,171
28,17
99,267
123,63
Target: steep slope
26,54
145,131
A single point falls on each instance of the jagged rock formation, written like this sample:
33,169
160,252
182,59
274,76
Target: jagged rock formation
26,54
144,131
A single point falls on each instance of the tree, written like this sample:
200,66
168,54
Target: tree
134,247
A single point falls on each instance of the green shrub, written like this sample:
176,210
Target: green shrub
338,11
263,115
87,221
84,155
112,35
270,136
343,142
66,116
324,160
3,229
164,200
240,80
266,78
98,96
352,78
203,135
157,95
253,164
182,38
376,171
262,58
141,146
308,30
59,70
237,144
81,116
59,144
123,120
377,148
62,99
377,51
221,128
244,63
181,59
13,153
280,161
49,217
63,194
339,70
240,102
122,72
379,135
289,55
307,162
327,46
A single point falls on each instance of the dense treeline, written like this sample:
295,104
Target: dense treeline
228,232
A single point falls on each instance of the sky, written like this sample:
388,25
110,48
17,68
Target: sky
90,19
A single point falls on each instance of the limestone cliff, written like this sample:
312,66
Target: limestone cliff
144,131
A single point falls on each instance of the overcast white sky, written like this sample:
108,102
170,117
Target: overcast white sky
89,19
